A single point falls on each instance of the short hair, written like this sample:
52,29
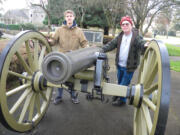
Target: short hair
69,11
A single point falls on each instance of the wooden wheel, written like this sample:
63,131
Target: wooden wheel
154,75
24,99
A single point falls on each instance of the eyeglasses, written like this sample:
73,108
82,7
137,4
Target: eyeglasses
125,24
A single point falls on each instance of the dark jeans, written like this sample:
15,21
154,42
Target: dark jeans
124,78
60,93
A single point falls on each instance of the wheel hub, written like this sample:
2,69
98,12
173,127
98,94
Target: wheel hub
136,95
38,82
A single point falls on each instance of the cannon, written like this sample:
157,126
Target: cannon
25,95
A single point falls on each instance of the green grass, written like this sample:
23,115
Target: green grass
173,50
175,65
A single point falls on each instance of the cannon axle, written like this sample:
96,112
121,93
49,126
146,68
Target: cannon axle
39,83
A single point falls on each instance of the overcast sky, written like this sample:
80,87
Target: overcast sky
13,4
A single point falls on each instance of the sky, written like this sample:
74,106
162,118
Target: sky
14,4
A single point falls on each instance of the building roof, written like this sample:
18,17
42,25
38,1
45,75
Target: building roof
17,13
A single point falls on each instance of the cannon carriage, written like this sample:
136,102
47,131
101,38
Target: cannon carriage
23,104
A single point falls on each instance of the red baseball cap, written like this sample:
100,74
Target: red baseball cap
126,18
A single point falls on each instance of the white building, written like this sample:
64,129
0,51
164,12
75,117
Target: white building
34,15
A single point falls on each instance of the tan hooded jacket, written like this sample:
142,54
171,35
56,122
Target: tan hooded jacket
69,39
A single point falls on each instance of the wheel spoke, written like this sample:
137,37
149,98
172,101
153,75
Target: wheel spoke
26,67
41,56
15,90
38,107
144,70
146,67
144,128
153,58
29,55
150,53
48,93
135,121
149,103
19,101
140,127
19,75
31,107
49,84
43,96
140,72
147,117
25,107
36,45
138,121
151,76
151,89
150,58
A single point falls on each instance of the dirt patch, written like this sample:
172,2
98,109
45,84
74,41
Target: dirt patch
3,43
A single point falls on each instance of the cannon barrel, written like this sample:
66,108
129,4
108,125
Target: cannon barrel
59,67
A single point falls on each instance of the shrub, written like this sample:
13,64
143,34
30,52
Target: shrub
3,25
28,26
13,27
172,33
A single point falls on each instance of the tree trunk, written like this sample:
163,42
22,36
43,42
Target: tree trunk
82,19
167,32
106,30
49,25
113,31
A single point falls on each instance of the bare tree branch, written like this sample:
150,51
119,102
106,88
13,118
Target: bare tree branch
140,10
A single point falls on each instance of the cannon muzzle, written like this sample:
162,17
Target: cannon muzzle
58,67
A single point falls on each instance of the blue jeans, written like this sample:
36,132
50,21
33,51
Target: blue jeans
60,93
124,78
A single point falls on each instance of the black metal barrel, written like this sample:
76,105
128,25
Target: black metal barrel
58,67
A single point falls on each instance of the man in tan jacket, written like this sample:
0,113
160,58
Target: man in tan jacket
68,37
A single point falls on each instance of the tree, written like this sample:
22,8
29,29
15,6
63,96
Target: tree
95,17
44,4
80,7
176,19
141,10
163,21
1,4
57,7
113,10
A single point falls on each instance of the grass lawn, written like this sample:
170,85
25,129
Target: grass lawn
173,50
175,65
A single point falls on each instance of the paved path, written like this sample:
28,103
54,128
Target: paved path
175,58
7,35
171,40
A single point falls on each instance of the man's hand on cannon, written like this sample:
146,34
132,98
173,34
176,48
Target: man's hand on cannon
146,44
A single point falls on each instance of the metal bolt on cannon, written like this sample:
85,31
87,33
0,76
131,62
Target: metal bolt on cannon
38,70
